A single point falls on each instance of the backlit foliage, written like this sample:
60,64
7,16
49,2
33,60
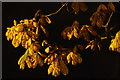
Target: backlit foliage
27,33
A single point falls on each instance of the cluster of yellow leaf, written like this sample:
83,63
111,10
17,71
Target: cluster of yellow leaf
26,33
30,58
59,57
78,32
57,66
21,33
101,14
115,43
75,58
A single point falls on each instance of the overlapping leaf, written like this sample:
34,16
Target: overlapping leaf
115,43
103,11
77,6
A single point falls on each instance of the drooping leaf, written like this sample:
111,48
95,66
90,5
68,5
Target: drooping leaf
83,7
67,33
101,7
48,20
115,43
111,6
85,33
77,6
99,22
63,68
94,18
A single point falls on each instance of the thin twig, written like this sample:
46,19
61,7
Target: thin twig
57,10
106,37
108,20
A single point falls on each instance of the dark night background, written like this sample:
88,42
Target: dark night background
103,64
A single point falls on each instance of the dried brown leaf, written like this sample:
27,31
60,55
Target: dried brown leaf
83,7
63,68
111,6
101,7
75,7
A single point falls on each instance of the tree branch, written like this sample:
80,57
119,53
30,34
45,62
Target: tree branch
57,10
108,20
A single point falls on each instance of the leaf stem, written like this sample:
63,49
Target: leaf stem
57,10
108,20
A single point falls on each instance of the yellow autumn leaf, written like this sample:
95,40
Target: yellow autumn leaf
51,68
21,58
115,43
69,35
88,46
48,20
34,64
26,21
22,66
19,27
28,43
75,33
31,52
15,42
69,58
44,42
56,72
35,24
29,64
47,50
15,23
21,21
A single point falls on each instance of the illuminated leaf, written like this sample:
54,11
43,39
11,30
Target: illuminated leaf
28,43
50,69
56,70
69,57
48,20
47,50
76,33
88,46
115,43
29,64
16,42
67,33
22,66
15,23
44,42
26,21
